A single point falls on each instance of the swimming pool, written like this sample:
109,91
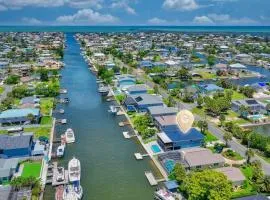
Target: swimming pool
258,116
155,148
169,165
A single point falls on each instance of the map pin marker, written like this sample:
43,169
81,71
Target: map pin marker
185,120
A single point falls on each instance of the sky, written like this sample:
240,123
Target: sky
135,12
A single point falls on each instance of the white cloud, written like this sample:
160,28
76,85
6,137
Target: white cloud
15,4
87,16
123,4
223,19
85,3
157,21
183,5
18,4
31,21
202,20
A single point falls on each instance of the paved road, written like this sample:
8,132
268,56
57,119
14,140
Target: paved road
234,144
8,88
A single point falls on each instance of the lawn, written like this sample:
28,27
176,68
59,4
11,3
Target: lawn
237,96
46,105
3,132
31,169
39,131
247,188
232,155
1,89
209,137
46,120
207,75
198,111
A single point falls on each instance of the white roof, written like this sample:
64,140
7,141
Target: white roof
164,137
238,65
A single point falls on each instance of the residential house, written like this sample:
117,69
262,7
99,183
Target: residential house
7,168
233,174
19,115
141,102
209,88
253,106
137,89
201,158
18,145
156,111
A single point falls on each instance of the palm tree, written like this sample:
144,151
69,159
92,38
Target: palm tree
203,125
265,184
227,137
249,153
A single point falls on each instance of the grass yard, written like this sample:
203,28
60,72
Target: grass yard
46,120
1,89
207,75
237,96
209,137
198,111
31,169
232,155
247,188
39,131
46,104
3,132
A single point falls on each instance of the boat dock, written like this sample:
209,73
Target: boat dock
140,156
53,179
124,123
127,136
151,178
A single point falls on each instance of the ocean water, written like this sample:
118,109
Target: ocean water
195,29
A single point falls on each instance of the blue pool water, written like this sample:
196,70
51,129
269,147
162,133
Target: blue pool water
155,148
169,165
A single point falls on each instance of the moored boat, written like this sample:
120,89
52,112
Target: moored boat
69,136
69,193
74,170
60,150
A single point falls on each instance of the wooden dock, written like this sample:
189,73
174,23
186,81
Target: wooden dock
140,156
54,177
124,123
150,177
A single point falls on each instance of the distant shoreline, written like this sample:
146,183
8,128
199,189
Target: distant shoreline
265,30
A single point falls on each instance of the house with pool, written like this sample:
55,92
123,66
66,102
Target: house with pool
141,102
191,158
171,137
124,81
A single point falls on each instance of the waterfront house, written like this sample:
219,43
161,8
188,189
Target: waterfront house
233,174
243,58
19,115
125,81
8,167
137,89
209,88
201,158
252,106
141,102
237,66
30,102
156,111
146,64
18,145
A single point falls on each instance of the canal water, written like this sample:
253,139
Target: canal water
109,169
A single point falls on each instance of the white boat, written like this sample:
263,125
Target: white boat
69,193
113,109
163,194
78,189
60,151
74,170
60,176
69,136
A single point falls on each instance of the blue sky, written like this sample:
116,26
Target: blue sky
134,12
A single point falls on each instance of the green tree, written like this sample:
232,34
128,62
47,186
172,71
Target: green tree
44,75
179,173
31,117
207,185
227,137
222,119
203,125
211,60
200,101
249,153
12,79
